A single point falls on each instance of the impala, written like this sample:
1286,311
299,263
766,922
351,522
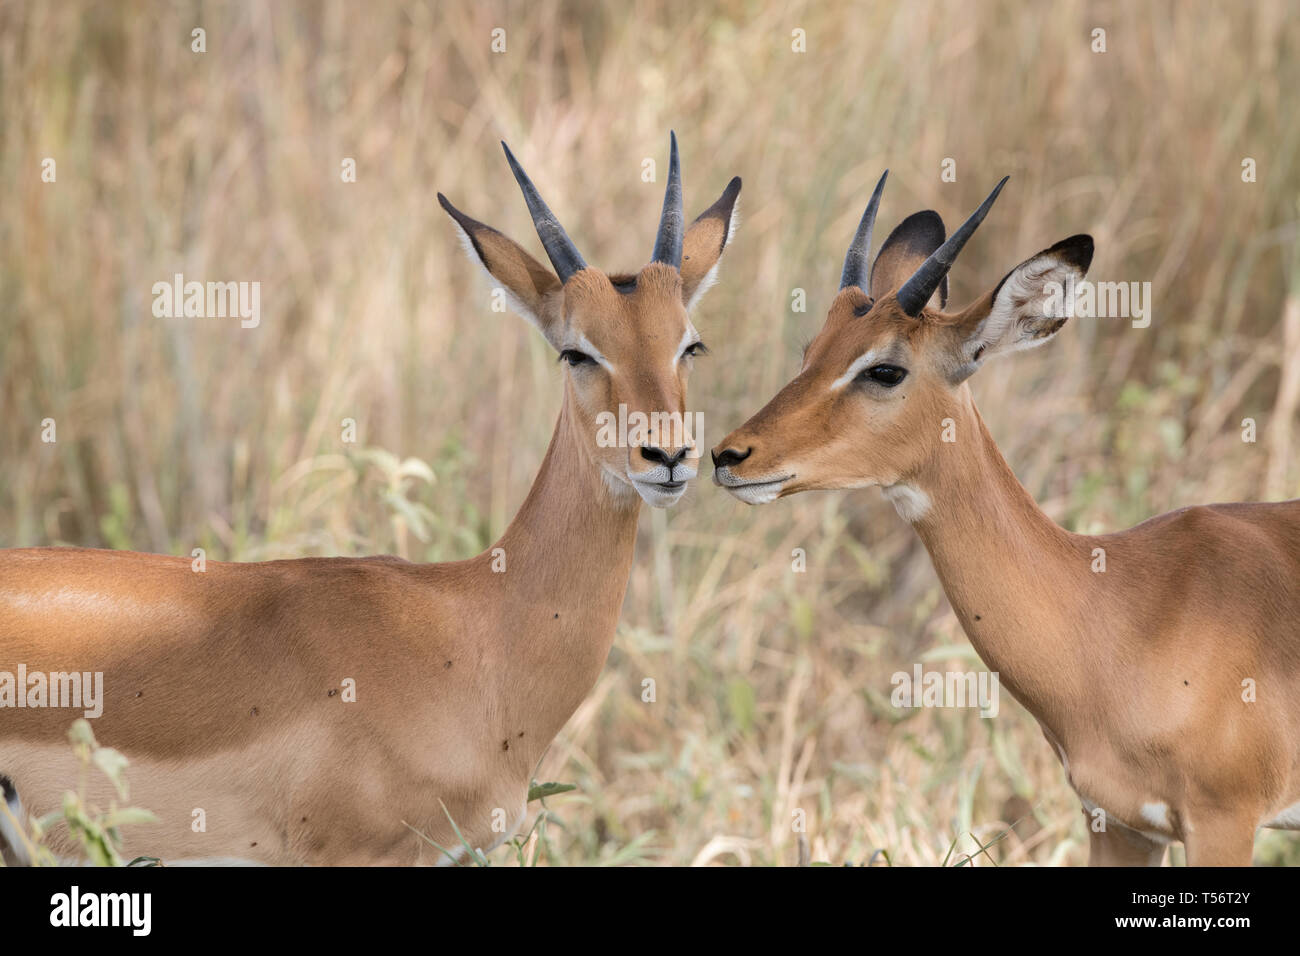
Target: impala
221,687
1166,683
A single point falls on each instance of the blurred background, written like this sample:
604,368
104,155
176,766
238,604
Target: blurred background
772,686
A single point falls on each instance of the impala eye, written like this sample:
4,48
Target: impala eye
887,375
694,349
575,358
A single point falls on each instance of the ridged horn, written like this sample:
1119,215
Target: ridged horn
856,260
559,247
672,222
916,291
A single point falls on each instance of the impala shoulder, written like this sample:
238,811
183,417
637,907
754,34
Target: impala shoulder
1200,529
1247,533
344,588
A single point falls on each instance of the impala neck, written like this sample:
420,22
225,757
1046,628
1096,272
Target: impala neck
568,555
1014,578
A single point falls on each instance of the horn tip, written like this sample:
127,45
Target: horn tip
520,176
997,190
880,186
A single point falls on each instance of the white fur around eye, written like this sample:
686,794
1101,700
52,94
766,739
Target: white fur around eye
584,345
865,360
689,336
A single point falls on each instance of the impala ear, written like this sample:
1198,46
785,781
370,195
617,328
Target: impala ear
907,247
1025,309
703,244
532,290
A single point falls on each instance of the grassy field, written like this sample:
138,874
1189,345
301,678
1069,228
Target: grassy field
772,686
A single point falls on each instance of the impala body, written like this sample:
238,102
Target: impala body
223,687
1161,662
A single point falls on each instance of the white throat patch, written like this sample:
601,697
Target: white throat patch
912,504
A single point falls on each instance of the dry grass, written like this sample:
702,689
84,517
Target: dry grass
182,433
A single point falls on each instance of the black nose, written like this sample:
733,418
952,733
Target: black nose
659,456
730,456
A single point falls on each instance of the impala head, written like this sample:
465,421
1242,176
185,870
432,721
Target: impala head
890,364
625,340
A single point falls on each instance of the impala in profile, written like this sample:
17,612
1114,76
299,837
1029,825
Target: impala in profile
1167,683
221,686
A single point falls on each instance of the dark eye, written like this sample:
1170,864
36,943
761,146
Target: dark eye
695,348
888,375
575,358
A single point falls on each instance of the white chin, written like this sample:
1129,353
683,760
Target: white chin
658,497
756,494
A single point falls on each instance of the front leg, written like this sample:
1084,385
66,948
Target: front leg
1220,839
1121,846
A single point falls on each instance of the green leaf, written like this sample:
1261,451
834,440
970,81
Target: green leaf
634,852
80,733
112,763
540,791
801,616
951,652
117,818
740,698
414,467
478,858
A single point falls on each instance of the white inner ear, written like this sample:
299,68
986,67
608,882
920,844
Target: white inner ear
1020,309
711,276
936,300
517,304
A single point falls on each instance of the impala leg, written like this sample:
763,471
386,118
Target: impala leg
1118,846
12,849
1220,840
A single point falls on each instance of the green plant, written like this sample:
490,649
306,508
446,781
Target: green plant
94,829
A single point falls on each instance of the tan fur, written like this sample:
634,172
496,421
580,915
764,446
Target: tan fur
1135,674
218,684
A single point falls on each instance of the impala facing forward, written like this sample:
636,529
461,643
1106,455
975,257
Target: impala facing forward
221,687
1167,683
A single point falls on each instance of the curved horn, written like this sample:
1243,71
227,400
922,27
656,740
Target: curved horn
672,223
855,261
559,247
916,291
